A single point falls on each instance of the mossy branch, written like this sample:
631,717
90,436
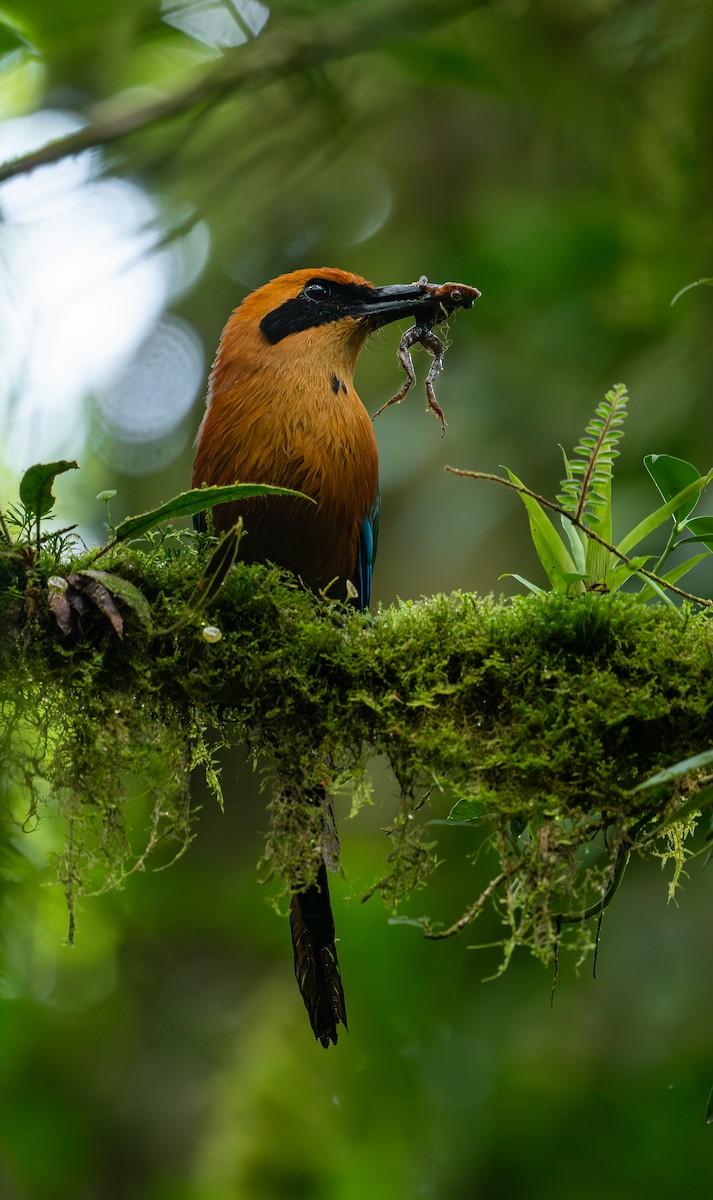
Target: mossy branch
539,715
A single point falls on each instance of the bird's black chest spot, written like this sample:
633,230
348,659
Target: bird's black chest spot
337,384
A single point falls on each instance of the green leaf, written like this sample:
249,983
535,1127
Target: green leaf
36,486
683,568
551,551
671,475
659,515
525,582
565,459
696,283
623,571
675,573
197,500
684,767
577,541
128,592
662,595
702,530
216,569
586,491
213,576
10,37
466,810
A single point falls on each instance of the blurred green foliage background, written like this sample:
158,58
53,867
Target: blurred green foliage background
558,155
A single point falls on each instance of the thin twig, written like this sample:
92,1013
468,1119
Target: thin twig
284,50
470,914
518,487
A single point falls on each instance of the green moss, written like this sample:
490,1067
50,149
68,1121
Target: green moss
541,712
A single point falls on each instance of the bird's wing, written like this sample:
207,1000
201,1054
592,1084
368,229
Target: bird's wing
366,553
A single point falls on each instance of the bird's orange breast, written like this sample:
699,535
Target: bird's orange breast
289,415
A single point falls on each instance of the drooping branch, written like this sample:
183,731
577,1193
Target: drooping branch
290,47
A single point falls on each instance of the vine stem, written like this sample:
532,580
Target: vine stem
670,545
554,507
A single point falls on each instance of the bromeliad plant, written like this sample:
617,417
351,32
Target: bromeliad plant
585,558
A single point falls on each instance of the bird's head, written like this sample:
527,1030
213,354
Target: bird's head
329,312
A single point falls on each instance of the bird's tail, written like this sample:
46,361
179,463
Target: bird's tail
316,964
312,925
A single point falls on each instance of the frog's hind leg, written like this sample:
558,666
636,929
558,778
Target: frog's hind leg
435,346
411,336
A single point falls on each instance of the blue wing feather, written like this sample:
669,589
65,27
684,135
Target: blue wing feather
366,554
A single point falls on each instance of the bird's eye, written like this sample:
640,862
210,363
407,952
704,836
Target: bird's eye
315,291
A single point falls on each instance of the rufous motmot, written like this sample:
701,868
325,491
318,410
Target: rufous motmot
282,409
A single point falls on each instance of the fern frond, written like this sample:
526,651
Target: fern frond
586,492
